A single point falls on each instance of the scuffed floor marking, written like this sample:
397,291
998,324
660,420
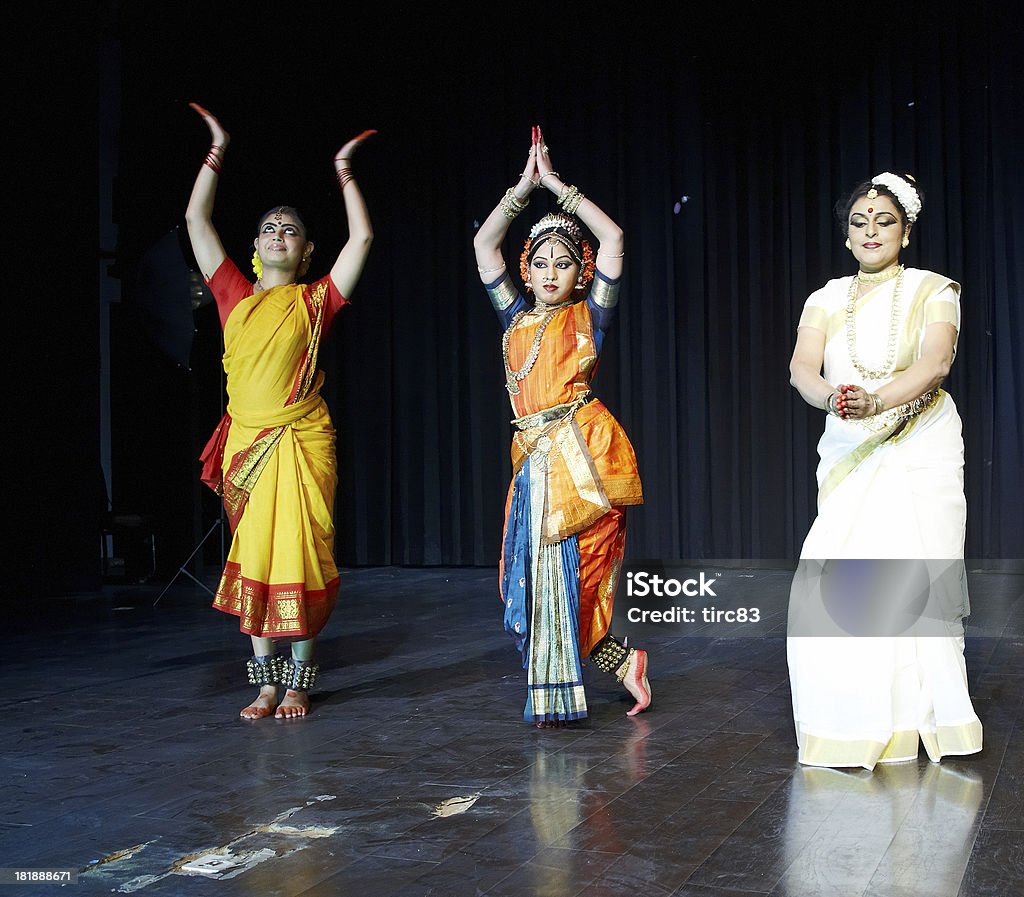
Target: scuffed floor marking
455,805
115,857
129,860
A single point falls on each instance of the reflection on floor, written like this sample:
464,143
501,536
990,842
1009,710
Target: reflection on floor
123,757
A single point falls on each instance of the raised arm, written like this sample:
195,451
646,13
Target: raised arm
611,244
352,258
491,234
206,244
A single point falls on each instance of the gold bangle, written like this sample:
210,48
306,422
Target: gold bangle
511,206
515,200
569,198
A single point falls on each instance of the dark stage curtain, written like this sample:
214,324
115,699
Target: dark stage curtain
721,152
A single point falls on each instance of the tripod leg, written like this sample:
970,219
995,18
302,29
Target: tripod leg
181,569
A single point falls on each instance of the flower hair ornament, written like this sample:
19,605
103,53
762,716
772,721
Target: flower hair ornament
564,230
904,191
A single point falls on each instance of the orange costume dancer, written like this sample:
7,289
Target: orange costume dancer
574,470
272,457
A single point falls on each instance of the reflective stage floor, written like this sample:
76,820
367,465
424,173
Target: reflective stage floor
123,759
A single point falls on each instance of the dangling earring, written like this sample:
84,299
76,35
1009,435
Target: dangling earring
848,246
529,287
257,264
905,242
579,281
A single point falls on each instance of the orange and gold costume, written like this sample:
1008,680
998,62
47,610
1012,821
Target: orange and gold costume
272,457
574,471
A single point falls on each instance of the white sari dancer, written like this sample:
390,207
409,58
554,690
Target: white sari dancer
890,486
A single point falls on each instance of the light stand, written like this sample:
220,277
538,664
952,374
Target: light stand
217,524
165,278
184,567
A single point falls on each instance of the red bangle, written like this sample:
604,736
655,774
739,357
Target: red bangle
344,175
213,160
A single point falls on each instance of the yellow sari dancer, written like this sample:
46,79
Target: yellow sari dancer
272,457
574,470
890,487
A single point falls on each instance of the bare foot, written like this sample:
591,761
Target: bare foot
263,705
295,703
636,682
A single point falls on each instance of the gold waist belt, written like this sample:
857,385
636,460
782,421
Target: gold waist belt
915,406
895,418
547,415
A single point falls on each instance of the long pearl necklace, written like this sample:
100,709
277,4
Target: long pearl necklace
894,320
512,378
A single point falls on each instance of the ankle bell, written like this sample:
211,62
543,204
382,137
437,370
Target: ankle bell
299,675
612,657
264,670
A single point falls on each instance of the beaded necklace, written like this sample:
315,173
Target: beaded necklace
512,378
851,321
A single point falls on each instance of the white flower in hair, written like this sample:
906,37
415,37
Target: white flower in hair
903,190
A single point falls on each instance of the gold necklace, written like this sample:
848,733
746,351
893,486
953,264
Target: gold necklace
512,378
879,276
851,321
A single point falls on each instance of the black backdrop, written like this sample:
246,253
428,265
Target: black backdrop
719,144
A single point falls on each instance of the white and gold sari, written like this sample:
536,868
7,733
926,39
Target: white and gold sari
889,487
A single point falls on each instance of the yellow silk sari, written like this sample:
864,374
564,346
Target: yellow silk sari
279,468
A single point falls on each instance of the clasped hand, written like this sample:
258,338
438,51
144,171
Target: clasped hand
538,164
855,402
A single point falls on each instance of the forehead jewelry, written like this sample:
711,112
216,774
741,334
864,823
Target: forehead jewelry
872,194
556,219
